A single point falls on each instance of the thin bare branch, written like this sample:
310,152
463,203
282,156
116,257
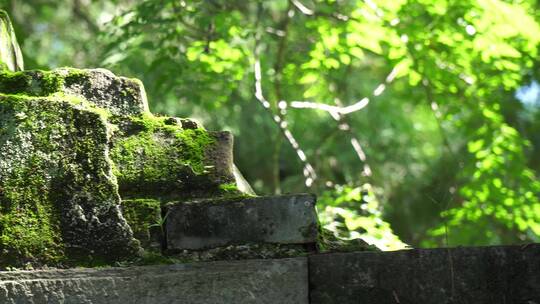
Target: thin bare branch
337,111
302,8
308,171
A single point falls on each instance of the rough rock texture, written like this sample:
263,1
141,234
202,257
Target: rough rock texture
281,219
161,160
154,156
144,218
329,242
481,275
119,95
220,155
122,96
243,252
72,142
58,196
250,281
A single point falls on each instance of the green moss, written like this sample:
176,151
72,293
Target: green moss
152,157
50,83
75,76
29,227
52,154
194,143
229,187
144,218
37,82
76,101
14,82
63,153
32,83
230,192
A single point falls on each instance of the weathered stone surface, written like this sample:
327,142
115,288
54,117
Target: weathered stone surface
71,143
249,281
164,155
490,275
244,252
119,95
220,155
58,196
162,161
144,218
287,219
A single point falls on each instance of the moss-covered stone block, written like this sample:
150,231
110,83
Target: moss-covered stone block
59,199
144,218
119,95
72,144
159,159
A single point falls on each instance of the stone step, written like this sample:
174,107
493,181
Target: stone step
248,281
288,219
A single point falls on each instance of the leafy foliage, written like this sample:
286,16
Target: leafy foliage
352,213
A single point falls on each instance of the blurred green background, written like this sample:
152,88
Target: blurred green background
443,152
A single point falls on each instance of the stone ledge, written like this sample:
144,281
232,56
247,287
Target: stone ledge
475,275
248,281
289,219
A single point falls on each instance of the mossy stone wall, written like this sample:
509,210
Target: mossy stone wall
73,144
